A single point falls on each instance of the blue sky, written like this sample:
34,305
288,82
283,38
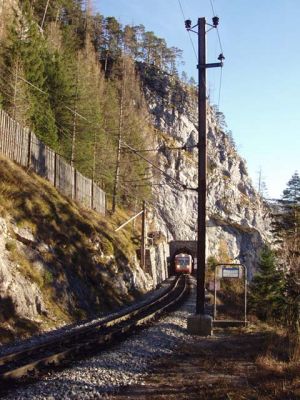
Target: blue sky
261,74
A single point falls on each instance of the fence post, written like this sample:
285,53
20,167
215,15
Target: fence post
17,144
29,150
1,130
75,183
55,164
92,195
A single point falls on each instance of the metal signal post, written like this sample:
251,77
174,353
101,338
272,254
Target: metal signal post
202,155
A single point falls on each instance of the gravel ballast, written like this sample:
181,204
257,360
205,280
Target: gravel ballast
44,337
123,364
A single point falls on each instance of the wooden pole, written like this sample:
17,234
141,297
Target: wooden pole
201,231
117,170
144,236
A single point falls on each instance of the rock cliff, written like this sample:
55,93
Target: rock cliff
238,221
58,262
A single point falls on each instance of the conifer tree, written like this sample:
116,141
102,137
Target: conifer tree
267,288
34,58
287,222
89,108
287,230
133,130
12,84
292,192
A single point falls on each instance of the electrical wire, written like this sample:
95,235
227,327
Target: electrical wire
133,150
126,145
81,116
135,196
45,93
214,14
166,148
221,49
155,166
184,19
212,7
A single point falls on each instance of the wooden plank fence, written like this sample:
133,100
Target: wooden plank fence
22,146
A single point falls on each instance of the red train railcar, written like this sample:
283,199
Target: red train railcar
183,263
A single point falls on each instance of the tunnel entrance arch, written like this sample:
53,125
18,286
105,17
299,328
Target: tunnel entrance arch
181,246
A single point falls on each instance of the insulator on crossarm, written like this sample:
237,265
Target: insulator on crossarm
188,24
215,21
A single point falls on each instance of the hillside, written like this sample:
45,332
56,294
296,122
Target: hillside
59,263
104,96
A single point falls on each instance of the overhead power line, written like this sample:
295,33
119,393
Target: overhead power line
184,147
42,91
124,143
192,43
221,49
212,7
154,165
45,93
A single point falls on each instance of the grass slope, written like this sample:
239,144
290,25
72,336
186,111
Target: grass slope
83,259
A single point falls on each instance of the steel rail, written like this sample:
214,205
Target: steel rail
88,340
71,335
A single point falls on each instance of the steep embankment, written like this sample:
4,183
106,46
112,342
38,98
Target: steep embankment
58,262
238,221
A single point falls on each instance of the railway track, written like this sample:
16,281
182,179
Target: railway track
37,359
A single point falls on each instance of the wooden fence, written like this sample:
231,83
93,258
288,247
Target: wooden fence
22,146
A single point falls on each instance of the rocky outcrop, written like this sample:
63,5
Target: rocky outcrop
28,286
58,262
18,294
238,221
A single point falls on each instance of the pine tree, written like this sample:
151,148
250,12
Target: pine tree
133,129
34,58
292,192
287,222
287,229
12,80
89,108
266,296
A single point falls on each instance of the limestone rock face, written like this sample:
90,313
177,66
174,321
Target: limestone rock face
19,295
25,288
238,222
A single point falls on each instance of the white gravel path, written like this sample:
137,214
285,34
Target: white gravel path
124,364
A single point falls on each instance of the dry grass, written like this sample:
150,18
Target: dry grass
80,244
237,365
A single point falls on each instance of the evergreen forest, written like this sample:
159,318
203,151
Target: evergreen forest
71,77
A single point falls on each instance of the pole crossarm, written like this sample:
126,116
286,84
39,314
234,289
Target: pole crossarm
211,65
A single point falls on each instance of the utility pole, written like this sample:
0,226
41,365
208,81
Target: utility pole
118,160
201,324
144,236
202,156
